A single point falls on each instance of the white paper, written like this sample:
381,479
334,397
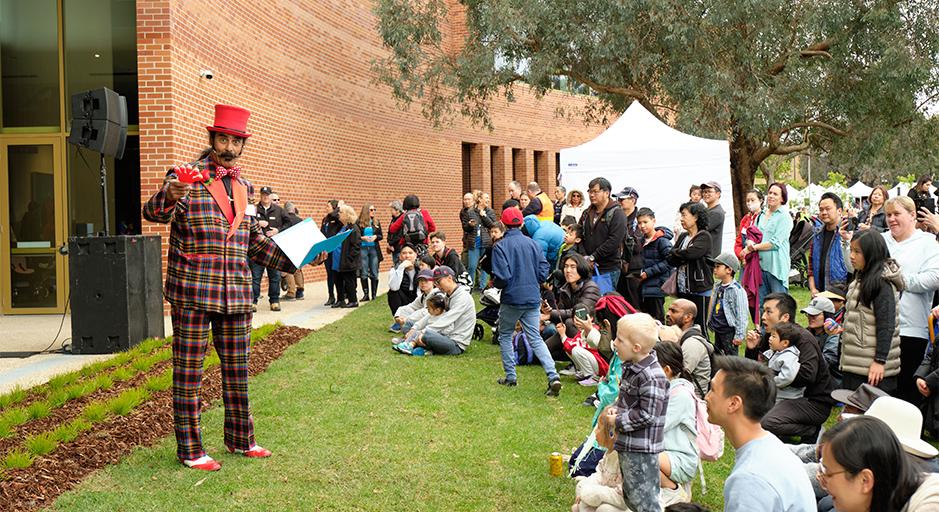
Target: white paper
297,240
251,211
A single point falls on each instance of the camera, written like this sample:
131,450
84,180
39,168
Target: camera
208,74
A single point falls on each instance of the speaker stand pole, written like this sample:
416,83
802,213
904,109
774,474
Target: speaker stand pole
104,196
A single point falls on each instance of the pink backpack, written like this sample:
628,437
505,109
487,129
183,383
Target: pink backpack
710,438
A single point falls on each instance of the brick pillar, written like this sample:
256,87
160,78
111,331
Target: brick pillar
481,171
523,166
543,174
154,75
501,165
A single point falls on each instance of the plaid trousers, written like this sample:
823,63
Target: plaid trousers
231,335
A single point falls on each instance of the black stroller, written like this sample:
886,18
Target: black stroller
489,314
800,238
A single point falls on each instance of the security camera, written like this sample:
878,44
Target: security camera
207,74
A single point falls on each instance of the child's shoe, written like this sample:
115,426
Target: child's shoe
404,347
395,327
204,463
568,371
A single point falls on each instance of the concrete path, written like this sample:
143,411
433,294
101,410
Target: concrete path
35,333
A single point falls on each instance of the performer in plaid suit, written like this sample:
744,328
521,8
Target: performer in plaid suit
208,283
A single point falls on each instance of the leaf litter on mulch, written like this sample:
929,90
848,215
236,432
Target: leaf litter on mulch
108,442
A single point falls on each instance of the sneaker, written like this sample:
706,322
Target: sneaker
418,351
506,382
299,294
395,341
578,376
589,381
591,401
404,347
395,327
554,388
275,306
570,371
204,463
673,496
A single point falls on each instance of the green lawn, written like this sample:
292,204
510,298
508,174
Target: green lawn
355,426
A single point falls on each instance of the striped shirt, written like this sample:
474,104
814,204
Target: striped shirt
640,407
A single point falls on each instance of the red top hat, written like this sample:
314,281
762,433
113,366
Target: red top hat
231,120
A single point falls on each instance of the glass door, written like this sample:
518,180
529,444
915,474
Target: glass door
32,199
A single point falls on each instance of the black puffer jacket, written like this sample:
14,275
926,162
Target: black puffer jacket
699,270
350,258
603,236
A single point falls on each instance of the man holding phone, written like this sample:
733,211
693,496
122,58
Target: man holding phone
828,262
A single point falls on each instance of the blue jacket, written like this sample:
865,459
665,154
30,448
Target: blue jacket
654,265
549,236
519,267
836,272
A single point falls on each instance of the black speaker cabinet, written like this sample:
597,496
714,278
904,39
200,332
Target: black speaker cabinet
115,292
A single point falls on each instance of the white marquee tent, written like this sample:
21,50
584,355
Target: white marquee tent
859,190
660,162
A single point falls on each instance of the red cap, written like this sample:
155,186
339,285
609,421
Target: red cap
512,216
231,120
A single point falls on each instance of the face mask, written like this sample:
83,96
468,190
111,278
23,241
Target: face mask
753,206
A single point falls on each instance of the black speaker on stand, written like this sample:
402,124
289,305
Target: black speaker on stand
115,282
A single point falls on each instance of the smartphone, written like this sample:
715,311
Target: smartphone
581,313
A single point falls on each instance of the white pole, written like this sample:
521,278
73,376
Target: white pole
810,180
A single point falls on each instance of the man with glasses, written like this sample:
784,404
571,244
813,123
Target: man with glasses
711,193
604,228
272,219
766,476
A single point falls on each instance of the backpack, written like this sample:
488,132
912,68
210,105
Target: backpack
524,355
710,439
413,228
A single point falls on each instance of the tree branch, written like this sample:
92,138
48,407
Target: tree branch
815,124
816,50
785,150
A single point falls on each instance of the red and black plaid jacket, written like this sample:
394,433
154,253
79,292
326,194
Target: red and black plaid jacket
207,261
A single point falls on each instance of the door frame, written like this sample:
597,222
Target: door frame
60,195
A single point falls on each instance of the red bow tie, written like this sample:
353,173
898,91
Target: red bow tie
221,172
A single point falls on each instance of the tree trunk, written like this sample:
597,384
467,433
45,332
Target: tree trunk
743,169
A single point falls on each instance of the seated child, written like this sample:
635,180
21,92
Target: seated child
783,359
408,314
589,365
602,491
573,236
413,345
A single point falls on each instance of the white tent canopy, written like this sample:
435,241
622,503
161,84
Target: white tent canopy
660,162
859,190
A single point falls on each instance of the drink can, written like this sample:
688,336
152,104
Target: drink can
555,464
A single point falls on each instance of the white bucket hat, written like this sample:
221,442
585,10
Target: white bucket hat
906,422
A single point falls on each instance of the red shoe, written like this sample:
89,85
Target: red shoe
204,463
255,452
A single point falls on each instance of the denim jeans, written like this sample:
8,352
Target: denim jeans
439,344
530,317
273,275
369,267
770,285
472,265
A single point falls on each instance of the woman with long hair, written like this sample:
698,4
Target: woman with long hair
871,313
690,257
754,209
370,227
874,216
918,256
921,196
864,468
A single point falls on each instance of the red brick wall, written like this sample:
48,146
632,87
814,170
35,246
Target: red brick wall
321,128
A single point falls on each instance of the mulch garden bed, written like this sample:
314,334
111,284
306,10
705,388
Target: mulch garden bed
108,442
